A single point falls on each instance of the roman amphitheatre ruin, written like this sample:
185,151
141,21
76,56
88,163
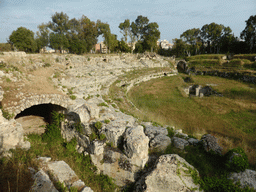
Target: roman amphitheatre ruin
32,86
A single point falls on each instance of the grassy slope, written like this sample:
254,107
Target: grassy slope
231,116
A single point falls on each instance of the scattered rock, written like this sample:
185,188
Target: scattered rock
97,147
160,142
171,173
42,183
246,178
193,141
210,144
179,143
62,172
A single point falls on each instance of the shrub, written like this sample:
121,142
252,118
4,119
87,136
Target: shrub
102,136
73,97
170,132
92,136
106,121
236,160
98,125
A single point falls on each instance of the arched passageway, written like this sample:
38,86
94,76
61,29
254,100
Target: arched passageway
35,118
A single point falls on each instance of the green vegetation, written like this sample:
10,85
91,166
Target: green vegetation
73,97
212,168
28,43
98,125
103,104
231,118
106,121
237,160
14,172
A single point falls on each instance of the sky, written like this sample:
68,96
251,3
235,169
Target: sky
173,16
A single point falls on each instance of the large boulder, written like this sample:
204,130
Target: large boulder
210,144
11,135
246,178
136,145
171,173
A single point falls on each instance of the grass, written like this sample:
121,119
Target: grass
205,56
163,101
14,172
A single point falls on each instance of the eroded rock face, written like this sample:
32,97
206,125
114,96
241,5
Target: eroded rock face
171,173
11,135
210,144
246,178
136,145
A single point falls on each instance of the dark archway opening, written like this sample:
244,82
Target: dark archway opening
35,118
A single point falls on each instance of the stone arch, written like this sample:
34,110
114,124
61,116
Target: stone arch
28,102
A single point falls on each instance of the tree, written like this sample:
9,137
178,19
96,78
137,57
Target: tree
151,35
110,39
42,38
211,34
125,29
23,39
146,33
138,26
192,37
58,41
82,35
249,33
60,26
179,47
59,23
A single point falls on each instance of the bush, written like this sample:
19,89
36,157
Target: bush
98,125
236,160
170,132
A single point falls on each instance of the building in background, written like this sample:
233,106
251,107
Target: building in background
164,44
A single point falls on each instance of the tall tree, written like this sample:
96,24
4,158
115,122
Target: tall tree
192,37
23,40
42,36
249,33
59,23
179,47
60,26
138,26
58,41
125,29
211,34
110,39
150,35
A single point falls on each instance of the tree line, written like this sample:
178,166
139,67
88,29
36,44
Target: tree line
214,38
79,36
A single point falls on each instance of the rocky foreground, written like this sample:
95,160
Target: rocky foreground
124,152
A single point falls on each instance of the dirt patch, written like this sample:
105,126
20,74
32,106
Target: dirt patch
32,124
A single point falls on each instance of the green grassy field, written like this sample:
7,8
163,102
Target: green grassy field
231,118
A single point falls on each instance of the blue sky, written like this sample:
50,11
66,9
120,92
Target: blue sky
173,16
